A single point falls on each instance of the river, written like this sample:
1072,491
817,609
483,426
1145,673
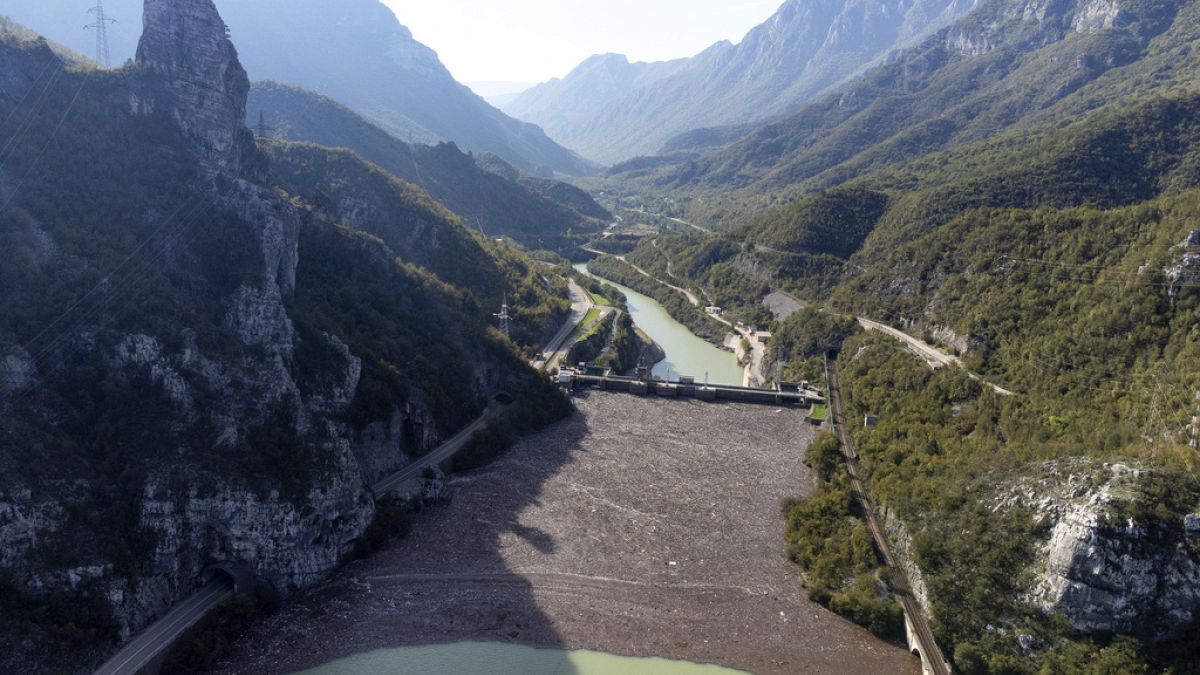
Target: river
686,353
471,658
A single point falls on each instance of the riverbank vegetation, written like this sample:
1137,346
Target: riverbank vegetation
830,542
675,303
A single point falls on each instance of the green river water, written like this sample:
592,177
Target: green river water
686,353
487,658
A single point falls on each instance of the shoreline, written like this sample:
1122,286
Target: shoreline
661,538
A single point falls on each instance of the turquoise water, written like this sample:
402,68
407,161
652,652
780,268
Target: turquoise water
686,353
487,658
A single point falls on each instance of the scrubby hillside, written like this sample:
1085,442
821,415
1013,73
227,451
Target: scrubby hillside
198,366
538,212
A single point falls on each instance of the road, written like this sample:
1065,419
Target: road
153,641
581,304
932,655
936,358
443,452
692,297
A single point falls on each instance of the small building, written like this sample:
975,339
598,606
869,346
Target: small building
763,337
870,421
716,311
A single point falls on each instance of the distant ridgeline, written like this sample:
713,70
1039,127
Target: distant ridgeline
489,194
206,351
1022,189
355,51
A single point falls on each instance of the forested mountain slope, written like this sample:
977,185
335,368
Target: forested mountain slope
1052,239
1009,66
536,211
355,51
610,110
195,365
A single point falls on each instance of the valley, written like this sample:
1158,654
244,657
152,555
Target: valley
638,527
297,334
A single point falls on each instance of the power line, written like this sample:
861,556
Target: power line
50,63
101,28
26,124
53,135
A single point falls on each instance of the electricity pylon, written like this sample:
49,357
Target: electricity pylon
101,28
505,317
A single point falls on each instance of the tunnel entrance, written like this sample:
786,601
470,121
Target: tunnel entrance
240,575
504,398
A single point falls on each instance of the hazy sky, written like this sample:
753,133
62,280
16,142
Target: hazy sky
535,40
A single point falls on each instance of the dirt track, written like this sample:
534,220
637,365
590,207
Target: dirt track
639,527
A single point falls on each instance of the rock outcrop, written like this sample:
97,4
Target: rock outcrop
1186,271
235,376
198,80
1103,569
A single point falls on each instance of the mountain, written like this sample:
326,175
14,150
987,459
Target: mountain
1021,191
566,106
354,51
536,212
1009,67
610,110
198,364
499,93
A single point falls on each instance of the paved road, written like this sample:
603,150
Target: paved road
935,357
581,304
442,453
162,634
932,655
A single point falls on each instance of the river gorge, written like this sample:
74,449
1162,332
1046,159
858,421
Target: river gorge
687,354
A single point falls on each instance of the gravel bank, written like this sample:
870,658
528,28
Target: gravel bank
639,527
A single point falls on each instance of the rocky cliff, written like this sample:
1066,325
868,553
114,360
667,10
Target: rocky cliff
197,77
192,398
1108,567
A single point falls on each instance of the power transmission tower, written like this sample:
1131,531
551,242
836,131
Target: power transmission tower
101,28
505,317
262,129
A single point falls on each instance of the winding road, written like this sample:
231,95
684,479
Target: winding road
154,641
581,304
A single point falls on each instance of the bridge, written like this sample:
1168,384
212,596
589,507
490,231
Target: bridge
785,394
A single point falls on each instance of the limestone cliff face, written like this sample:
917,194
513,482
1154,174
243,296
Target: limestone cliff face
195,503
1102,570
203,86
1037,22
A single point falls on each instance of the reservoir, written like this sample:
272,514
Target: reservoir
686,353
492,658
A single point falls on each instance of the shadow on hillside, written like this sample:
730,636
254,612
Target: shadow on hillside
450,580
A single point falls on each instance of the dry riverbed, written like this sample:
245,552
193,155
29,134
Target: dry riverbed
640,527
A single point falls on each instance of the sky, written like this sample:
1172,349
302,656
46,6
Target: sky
535,40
